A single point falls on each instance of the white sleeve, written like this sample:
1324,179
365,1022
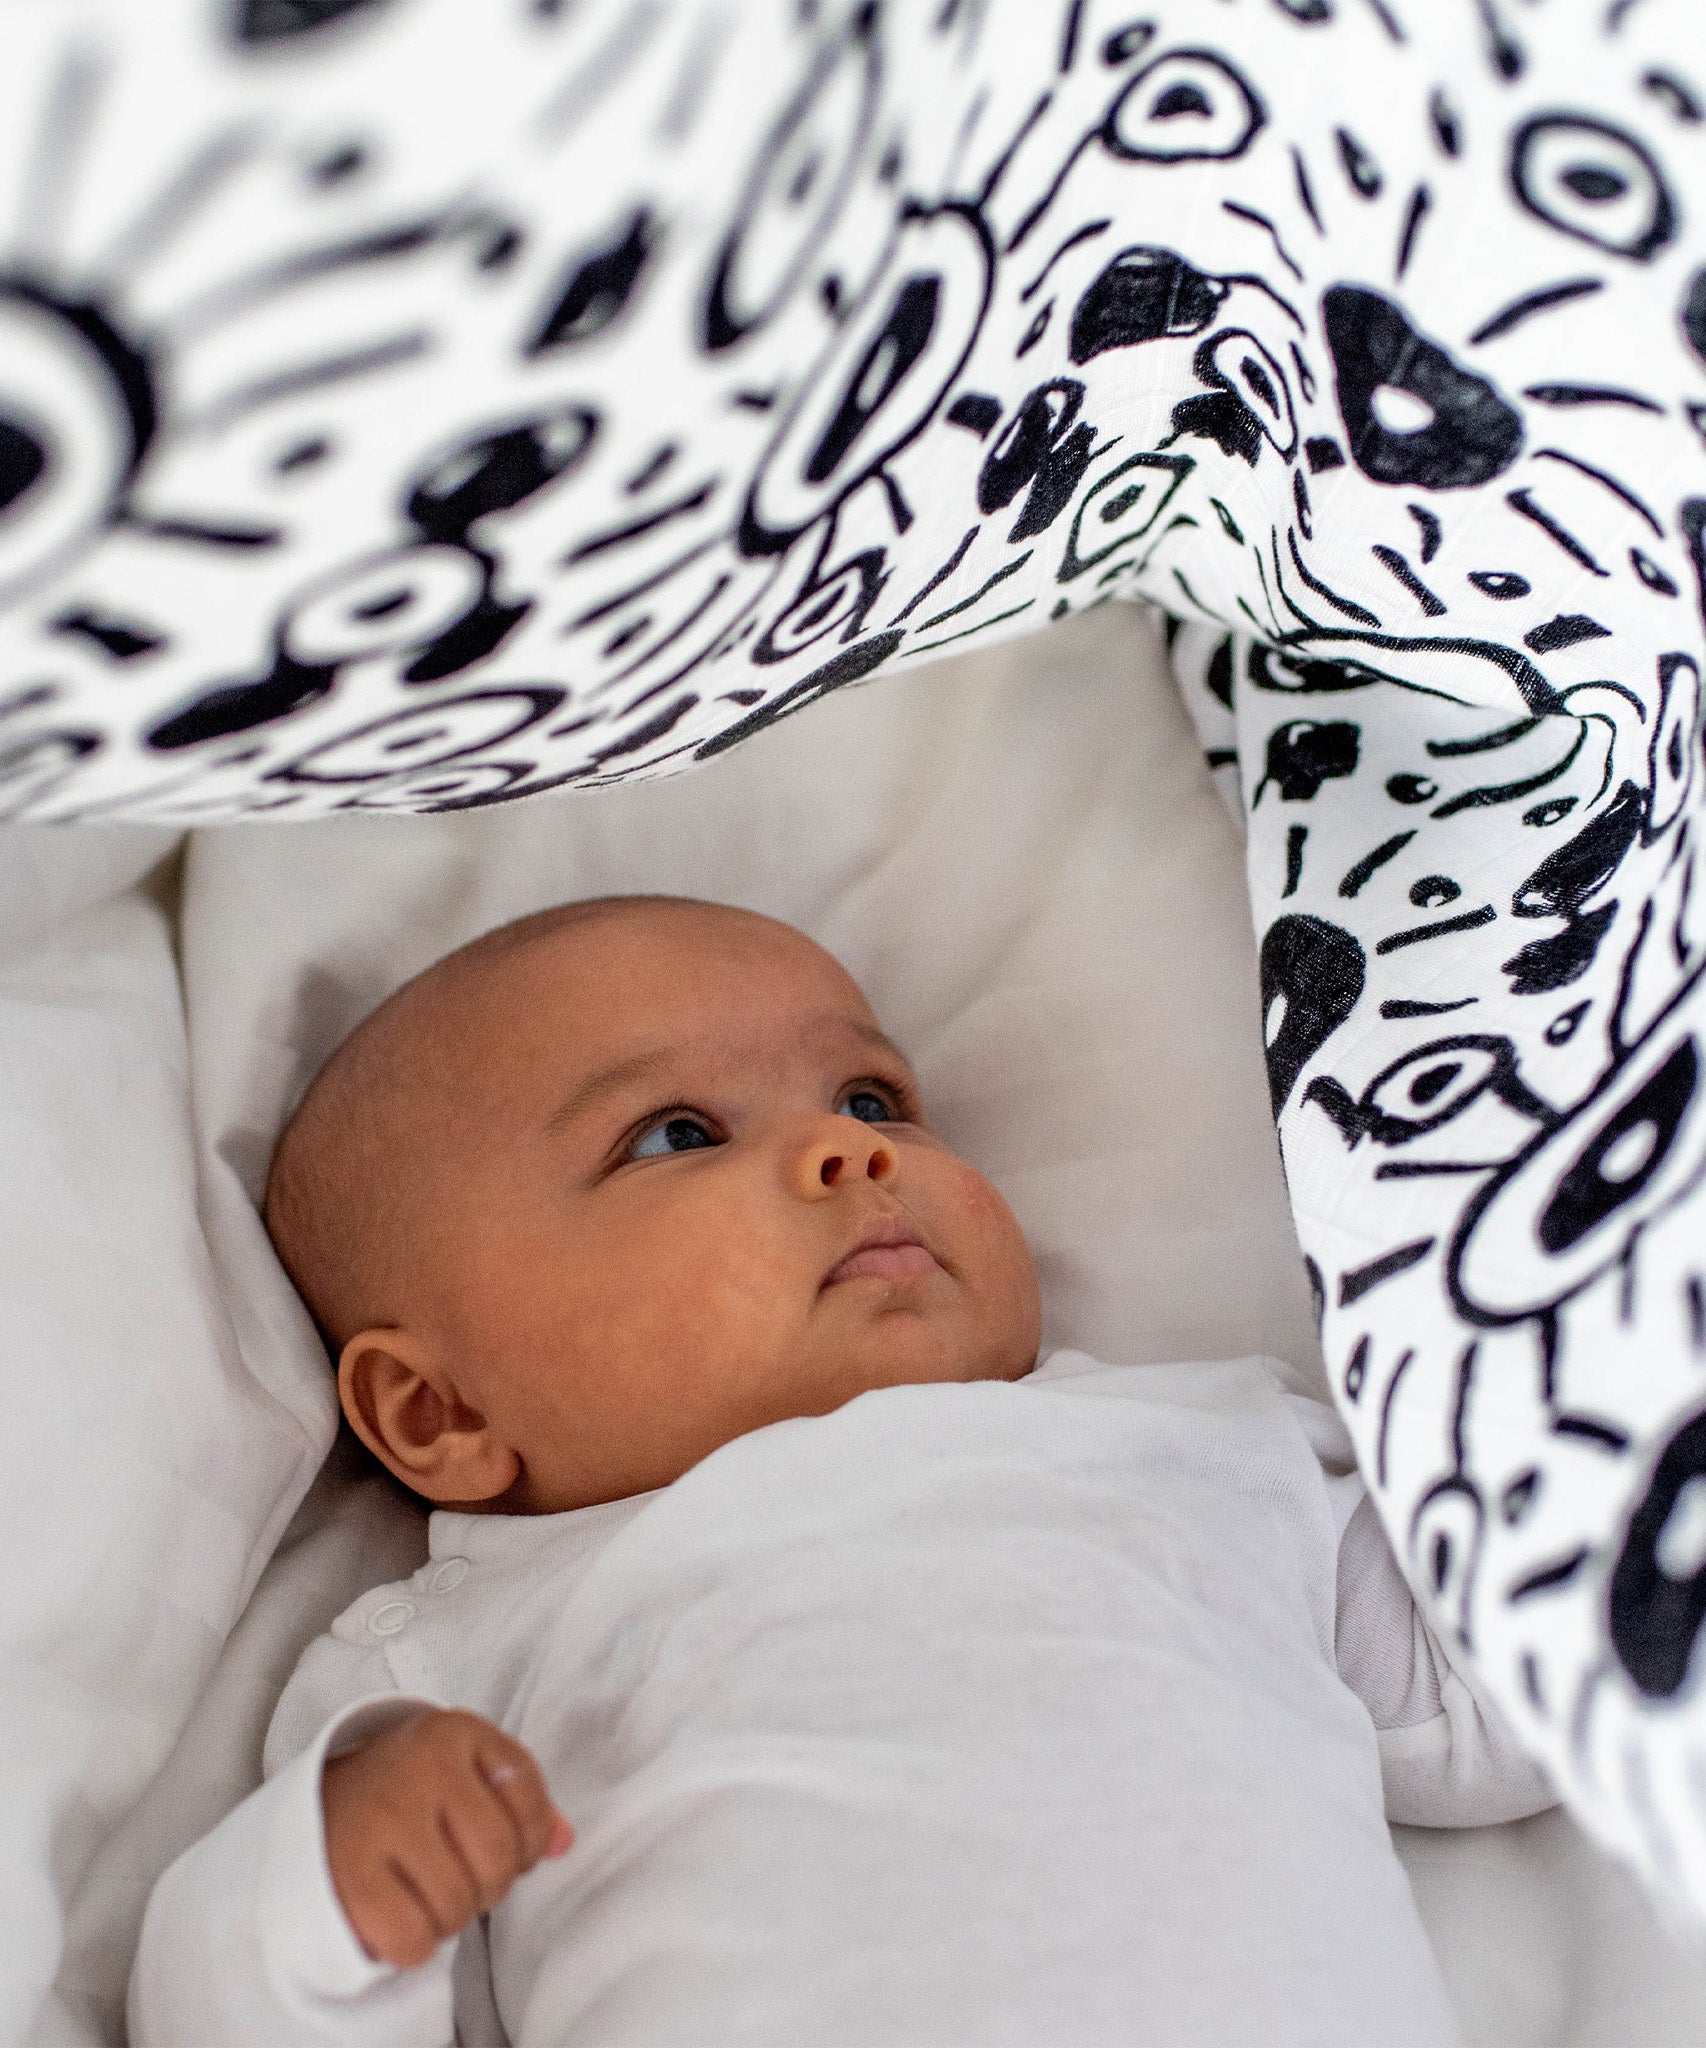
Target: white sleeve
1447,1758
244,1938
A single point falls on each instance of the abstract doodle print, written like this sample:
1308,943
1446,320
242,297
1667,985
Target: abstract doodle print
406,405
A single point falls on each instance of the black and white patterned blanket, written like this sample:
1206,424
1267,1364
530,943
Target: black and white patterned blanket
410,404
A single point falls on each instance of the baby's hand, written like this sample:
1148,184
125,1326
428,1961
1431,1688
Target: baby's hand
428,1826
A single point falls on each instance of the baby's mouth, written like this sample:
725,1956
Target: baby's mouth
889,1250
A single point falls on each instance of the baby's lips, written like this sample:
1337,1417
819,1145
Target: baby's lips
562,1837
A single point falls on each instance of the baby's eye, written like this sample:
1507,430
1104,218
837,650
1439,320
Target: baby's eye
869,1107
673,1134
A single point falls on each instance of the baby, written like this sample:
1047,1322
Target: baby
900,1690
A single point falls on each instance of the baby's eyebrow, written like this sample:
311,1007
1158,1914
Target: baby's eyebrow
611,1080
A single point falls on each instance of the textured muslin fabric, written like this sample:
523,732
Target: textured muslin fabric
988,1713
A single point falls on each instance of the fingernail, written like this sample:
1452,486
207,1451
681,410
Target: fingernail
562,1836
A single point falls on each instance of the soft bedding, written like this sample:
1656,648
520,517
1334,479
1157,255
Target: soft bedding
1115,1090
405,410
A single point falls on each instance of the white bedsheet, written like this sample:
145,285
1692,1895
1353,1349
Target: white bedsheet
1046,905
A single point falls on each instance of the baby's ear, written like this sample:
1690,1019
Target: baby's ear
403,1404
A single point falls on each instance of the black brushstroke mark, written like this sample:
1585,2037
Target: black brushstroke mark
1295,839
498,471
1312,977
1144,294
1519,1496
1420,200
1217,677
1564,1026
1261,221
976,411
1653,1613
1428,526
1347,605
1041,448
243,539
650,470
1504,52
1651,574
1323,452
1473,433
1362,172
1304,753
852,665
1522,501
1427,1087
1128,42
1546,965
1305,191
965,604
1388,1402
1604,1436
118,639
1418,934
1448,130
1568,629
1410,789
1069,36
1586,1194
477,634
1360,872
939,577
1400,1008
1540,301
1035,332
1692,315
598,287
1591,394
1582,866
1356,1370
291,686
260,22
1500,584
1433,892
1670,91
1483,742
1601,476
299,455
619,536
1362,1280
1390,559
1548,1578
1300,503
982,626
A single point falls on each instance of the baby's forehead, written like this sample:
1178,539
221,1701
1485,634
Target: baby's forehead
636,981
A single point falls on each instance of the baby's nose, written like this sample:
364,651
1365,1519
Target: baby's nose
840,1150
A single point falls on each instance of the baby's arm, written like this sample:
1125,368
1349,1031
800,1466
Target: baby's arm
321,1911
1447,1760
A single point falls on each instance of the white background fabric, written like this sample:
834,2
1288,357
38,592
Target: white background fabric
1076,984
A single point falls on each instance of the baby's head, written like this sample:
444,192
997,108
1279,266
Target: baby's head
618,1183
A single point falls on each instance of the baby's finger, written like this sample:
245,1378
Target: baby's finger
485,1834
519,1784
434,1866
393,1922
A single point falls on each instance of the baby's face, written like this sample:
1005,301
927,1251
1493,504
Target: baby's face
687,1189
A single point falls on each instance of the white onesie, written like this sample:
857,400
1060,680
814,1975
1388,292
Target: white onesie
975,1714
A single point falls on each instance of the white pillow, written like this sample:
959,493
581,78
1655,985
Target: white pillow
148,1476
